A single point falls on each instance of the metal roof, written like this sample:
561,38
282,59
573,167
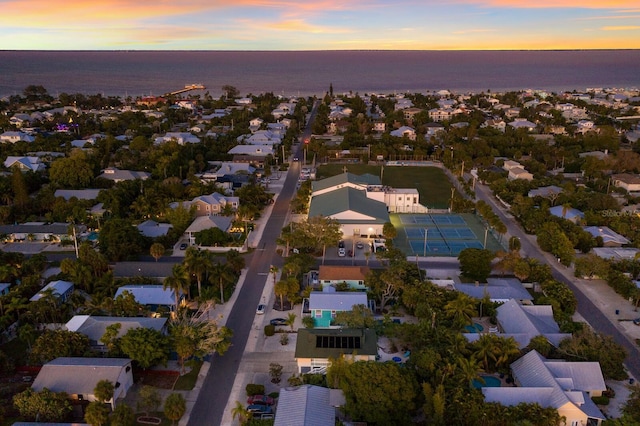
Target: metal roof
305,405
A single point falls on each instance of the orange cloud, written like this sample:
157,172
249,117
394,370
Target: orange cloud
621,28
554,4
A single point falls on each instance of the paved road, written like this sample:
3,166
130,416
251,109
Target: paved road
586,308
211,402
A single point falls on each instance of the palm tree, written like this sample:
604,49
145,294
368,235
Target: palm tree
508,351
198,263
461,309
486,349
221,273
156,251
235,260
274,271
468,369
178,281
281,288
241,413
291,319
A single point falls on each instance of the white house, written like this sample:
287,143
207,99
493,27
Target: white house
13,137
117,175
566,386
180,137
78,377
61,290
25,164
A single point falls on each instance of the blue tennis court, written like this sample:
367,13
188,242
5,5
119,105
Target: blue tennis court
446,234
435,248
428,219
440,233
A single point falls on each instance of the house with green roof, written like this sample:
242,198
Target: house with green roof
355,212
314,347
363,182
396,200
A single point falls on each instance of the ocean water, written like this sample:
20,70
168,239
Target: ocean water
135,73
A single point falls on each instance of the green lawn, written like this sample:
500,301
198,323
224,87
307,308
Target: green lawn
188,381
431,182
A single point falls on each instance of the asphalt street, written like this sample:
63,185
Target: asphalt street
216,388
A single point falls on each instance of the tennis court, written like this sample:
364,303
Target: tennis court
432,219
442,234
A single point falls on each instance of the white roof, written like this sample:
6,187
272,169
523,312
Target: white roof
305,405
255,150
607,234
150,294
78,375
338,301
206,222
526,322
59,288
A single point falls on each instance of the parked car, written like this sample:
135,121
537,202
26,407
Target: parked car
341,244
350,253
260,400
183,246
261,309
359,245
342,252
257,410
278,321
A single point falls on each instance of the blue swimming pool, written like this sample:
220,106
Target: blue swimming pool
474,328
489,382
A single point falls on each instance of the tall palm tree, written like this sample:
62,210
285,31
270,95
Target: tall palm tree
235,260
468,369
178,281
198,263
461,309
486,349
221,273
508,351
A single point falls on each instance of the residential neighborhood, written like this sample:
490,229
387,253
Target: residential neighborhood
416,258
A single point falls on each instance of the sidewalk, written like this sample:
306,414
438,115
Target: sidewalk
221,313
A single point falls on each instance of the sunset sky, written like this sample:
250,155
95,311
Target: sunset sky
318,24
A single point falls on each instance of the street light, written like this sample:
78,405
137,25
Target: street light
424,251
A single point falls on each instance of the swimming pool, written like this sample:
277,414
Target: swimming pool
489,382
474,328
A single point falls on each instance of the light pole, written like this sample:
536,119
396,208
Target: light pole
424,251
486,231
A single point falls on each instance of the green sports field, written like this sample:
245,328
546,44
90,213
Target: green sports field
431,182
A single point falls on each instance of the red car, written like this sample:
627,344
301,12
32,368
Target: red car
260,400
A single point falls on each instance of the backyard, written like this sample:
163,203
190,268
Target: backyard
431,182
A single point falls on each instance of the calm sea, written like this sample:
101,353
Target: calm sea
134,73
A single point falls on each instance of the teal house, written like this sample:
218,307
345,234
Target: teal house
325,305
